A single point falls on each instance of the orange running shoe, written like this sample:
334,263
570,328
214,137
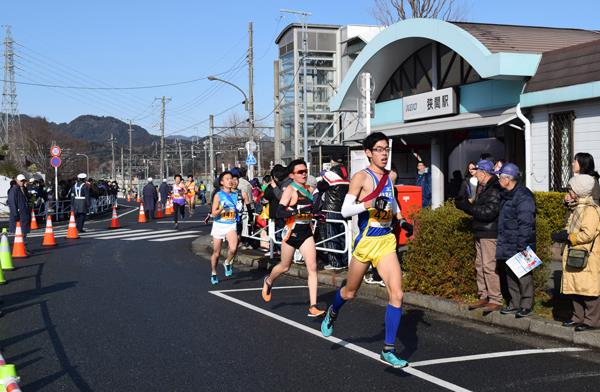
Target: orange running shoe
314,311
266,290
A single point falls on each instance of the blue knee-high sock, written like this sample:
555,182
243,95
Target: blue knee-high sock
338,301
392,323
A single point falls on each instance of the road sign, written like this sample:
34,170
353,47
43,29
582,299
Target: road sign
251,146
55,151
251,160
55,162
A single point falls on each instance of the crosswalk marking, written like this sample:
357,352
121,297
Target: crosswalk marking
113,235
173,232
89,233
132,233
175,238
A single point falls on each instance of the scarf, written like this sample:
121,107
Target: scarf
574,221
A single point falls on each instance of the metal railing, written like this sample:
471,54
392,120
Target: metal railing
62,209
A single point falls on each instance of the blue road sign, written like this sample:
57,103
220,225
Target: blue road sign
55,161
250,160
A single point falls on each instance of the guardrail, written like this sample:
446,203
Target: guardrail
61,210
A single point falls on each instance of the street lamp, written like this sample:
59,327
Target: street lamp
250,117
87,160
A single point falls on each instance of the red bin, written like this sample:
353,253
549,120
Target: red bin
410,200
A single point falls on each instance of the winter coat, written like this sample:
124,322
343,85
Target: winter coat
583,229
19,208
164,192
335,192
80,205
150,196
516,222
424,181
485,209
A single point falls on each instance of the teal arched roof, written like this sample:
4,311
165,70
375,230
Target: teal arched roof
384,53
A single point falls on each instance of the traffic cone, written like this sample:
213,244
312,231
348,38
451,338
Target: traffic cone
5,257
142,216
159,211
9,378
19,245
49,233
72,230
114,223
138,200
34,224
169,210
128,197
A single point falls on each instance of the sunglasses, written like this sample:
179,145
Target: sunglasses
302,172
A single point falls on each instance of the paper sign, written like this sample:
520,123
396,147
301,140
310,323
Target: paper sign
522,263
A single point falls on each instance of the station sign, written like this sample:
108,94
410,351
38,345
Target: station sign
431,104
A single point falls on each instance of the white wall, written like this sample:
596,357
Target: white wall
586,136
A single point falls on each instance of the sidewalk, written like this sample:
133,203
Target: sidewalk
532,324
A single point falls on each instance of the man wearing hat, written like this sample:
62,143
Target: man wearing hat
163,191
149,197
516,231
485,209
17,201
80,201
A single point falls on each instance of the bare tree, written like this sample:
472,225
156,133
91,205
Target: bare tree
388,12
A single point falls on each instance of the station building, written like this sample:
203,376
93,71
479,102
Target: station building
445,92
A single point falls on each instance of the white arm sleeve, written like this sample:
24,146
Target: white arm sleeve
350,208
395,206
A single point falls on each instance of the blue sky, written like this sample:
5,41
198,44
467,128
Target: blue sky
134,43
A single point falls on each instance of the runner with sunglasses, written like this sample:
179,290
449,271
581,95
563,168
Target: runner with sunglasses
376,243
296,207
225,216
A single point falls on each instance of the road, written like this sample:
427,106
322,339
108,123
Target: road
125,311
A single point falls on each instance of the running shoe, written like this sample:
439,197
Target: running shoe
314,311
228,269
327,324
333,267
266,290
391,358
214,279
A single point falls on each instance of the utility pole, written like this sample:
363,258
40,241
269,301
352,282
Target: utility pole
251,95
130,150
211,153
193,161
112,147
277,145
163,100
180,156
10,121
122,173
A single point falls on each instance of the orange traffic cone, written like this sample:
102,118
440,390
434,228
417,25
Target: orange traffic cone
159,211
142,216
19,245
114,223
128,197
34,224
72,230
49,234
138,200
169,210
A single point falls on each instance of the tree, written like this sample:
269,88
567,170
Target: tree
388,12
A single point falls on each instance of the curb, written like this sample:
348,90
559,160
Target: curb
533,324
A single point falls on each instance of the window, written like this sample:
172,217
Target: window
560,129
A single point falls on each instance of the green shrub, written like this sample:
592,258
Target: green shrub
551,207
440,258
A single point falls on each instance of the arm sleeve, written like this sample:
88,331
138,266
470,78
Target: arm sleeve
282,212
395,206
350,208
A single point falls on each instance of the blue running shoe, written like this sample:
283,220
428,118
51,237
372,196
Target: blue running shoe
228,269
391,358
214,279
327,324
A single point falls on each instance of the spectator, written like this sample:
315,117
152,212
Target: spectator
149,197
498,165
163,191
20,210
424,181
468,187
202,191
485,209
272,194
455,184
332,190
583,163
516,231
265,182
582,284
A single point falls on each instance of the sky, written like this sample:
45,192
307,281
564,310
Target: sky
132,43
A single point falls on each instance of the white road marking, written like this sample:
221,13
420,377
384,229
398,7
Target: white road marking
89,232
411,369
170,233
175,238
343,343
180,222
130,233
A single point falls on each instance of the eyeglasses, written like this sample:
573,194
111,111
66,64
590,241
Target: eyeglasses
301,172
381,149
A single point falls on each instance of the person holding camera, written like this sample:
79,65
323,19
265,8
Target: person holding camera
581,256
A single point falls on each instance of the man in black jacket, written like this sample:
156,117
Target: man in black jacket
332,190
485,210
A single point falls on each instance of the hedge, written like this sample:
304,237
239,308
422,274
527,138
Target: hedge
440,259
